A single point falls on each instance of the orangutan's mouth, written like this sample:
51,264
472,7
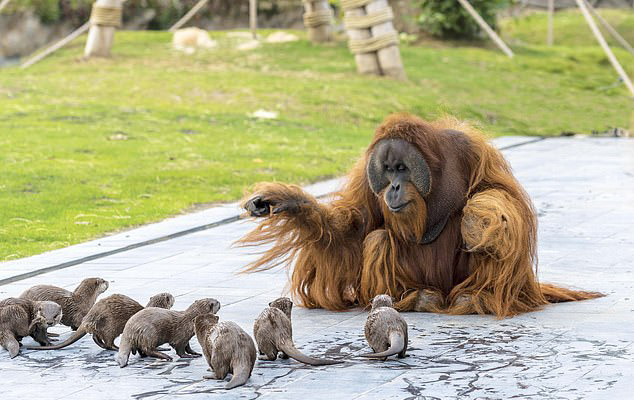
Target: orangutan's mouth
398,208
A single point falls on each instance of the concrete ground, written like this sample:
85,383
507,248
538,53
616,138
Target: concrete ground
583,191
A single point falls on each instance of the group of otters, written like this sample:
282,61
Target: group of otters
228,349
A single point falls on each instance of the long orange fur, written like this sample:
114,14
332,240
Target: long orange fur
346,252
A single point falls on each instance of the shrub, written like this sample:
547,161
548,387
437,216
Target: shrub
448,19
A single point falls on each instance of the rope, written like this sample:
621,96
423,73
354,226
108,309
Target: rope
373,44
349,4
106,16
369,20
314,19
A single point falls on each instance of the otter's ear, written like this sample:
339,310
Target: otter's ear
374,170
420,175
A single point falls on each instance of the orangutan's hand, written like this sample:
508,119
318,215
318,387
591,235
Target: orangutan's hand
262,205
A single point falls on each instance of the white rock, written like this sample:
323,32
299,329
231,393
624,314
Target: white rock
240,35
264,114
281,37
250,45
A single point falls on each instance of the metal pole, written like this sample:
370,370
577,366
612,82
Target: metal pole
494,36
610,29
597,33
77,32
189,15
551,17
253,17
3,4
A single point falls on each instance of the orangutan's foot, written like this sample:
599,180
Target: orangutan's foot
462,304
429,301
350,295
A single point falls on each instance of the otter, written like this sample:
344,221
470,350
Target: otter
152,327
15,323
385,329
75,305
51,311
107,318
228,349
273,333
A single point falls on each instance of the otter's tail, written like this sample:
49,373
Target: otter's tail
556,294
241,374
397,344
11,344
78,334
124,352
289,348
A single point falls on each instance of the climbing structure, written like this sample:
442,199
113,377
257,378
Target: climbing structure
372,37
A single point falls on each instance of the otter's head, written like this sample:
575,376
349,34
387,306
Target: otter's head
204,322
382,300
205,306
94,286
283,303
161,300
50,311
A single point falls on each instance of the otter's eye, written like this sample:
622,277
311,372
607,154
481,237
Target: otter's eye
388,168
401,167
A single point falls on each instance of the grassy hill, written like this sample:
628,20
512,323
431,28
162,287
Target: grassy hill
90,147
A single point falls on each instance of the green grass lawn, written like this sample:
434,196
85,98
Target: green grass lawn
90,147
569,29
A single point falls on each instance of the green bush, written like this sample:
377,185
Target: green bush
448,19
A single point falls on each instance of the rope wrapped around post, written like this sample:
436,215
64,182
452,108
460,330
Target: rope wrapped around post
350,4
372,37
106,16
318,17
368,20
375,43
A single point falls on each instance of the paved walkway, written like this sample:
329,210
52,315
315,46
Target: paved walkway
583,190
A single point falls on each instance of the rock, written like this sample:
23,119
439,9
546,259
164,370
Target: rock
281,37
264,114
190,39
250,45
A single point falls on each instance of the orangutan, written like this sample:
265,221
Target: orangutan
431,215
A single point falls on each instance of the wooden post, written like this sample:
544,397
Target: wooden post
597,34
551,18
610,29
3,4
494,36
390,56
253,18
318,20
105,18
367,63
372,37
189,15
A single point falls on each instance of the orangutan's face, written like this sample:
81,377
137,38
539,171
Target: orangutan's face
397,171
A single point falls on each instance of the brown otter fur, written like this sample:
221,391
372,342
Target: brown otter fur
152,327
15,324
76,304
107,318
228,349
51,311
385,329
273,332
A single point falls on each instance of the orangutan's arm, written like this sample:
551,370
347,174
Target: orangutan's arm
294,220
